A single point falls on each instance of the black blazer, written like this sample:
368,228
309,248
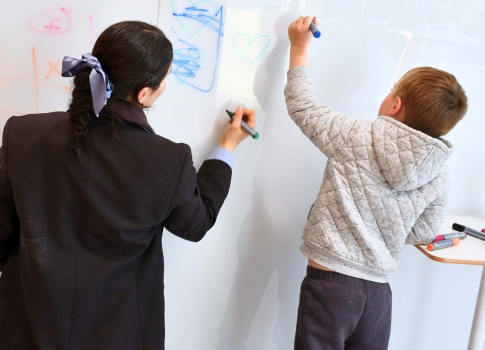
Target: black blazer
86,270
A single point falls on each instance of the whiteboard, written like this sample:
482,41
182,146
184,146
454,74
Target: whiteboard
238,288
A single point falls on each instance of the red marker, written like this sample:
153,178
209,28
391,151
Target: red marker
443,244
459,235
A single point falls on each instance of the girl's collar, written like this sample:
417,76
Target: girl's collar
128,112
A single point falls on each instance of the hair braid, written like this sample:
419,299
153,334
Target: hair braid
81,109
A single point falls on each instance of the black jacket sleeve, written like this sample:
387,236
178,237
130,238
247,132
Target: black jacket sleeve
9,226
198,198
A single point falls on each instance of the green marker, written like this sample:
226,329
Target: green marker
254,134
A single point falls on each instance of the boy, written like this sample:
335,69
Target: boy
385,184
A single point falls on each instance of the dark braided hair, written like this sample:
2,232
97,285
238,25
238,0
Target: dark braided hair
134,55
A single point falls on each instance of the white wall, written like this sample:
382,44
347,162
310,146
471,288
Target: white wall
238,288
242,285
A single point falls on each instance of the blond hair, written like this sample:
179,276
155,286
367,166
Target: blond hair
433,100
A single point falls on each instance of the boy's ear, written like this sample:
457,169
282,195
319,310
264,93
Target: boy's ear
397,109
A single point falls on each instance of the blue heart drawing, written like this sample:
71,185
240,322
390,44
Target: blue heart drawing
250,49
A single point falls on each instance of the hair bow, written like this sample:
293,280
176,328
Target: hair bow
101,87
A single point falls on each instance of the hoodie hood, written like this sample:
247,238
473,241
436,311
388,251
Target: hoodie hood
407,157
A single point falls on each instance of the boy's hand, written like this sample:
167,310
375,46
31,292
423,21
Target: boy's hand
300,36
234,134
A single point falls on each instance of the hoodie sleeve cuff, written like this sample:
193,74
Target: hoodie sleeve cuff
299,72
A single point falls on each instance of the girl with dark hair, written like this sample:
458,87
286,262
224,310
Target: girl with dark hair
85,196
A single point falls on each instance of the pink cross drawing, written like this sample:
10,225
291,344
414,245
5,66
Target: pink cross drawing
56,21
52,26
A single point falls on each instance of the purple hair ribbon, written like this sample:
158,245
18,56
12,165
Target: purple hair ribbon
101,87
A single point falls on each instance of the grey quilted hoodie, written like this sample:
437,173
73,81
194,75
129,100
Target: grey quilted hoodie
385,184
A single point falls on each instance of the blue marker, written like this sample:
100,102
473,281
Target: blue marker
245,126
314,30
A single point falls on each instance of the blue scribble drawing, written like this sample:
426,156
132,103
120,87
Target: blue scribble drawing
186,61
250,49
196,52
194,18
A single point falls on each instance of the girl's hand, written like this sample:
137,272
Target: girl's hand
234,134
300,36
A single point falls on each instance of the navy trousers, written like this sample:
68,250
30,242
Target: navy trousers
338,312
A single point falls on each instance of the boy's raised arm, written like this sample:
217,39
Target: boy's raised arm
327,129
